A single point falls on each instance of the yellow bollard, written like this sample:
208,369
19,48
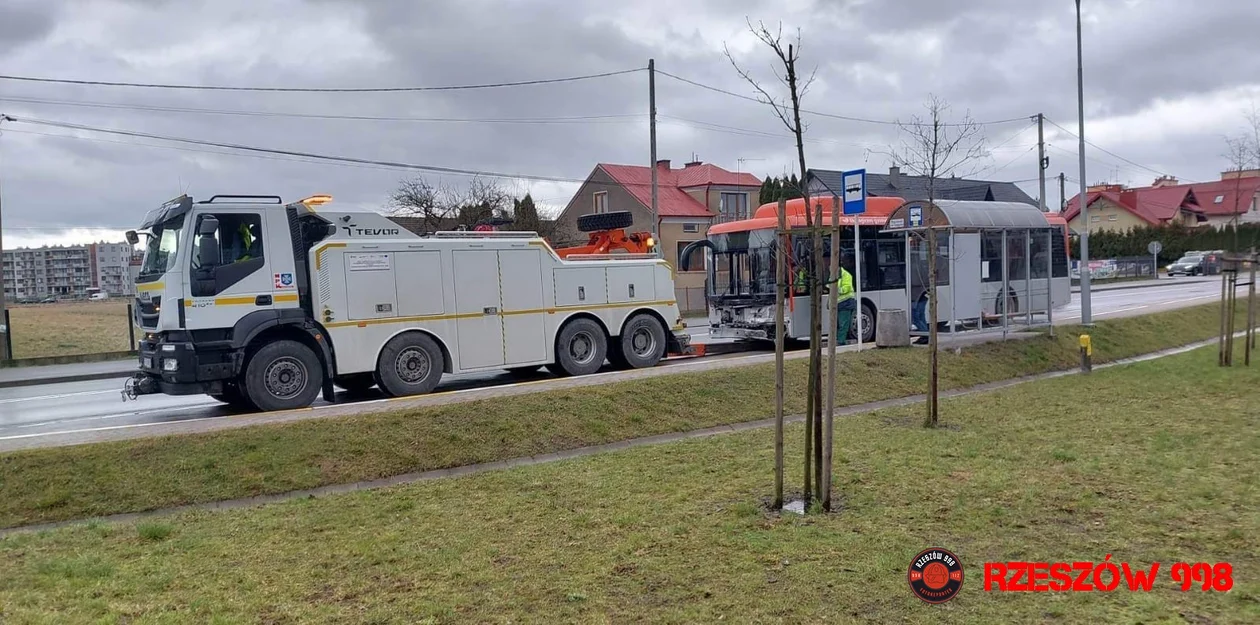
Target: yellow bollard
1087,350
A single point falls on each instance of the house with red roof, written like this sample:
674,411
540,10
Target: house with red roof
1214,204
689,200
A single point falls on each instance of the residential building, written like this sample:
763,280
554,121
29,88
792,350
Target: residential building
689,200
898,184
67,272
1236,196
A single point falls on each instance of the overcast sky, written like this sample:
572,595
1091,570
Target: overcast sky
1165,81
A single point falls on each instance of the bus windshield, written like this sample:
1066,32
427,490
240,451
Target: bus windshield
160,250
742,264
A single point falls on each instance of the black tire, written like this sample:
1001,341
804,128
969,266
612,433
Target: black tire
523,372
356,382
642,342
410,364
234,398
605,221
867,312
580,348
615,357
282,376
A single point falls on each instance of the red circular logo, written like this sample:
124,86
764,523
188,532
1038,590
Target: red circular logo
935,575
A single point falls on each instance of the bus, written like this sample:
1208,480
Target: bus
739,258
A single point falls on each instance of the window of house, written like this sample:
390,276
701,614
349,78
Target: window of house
1094,218
1112,217
733,206
691,228
1219,199
601,202
695,260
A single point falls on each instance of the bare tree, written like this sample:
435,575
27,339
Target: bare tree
788,110
1242,152
448,208
415,197
935,148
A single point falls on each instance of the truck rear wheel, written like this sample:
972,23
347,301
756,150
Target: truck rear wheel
410,364
282,376
580,348
642,342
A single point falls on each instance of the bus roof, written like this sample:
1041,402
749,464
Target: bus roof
767,216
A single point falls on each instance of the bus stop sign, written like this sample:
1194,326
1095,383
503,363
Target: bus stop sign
1154,247
855,192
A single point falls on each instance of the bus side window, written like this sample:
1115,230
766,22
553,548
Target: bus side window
991,255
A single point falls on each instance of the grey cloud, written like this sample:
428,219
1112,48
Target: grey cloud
23,22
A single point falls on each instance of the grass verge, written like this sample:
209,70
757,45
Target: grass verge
1155,462
127,476
69,328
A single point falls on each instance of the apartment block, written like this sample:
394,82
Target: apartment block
67,272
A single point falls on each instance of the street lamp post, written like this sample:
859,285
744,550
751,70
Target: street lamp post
1080,103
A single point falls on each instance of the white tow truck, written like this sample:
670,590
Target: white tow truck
264,304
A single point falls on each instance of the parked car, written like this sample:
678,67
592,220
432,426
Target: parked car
1187,266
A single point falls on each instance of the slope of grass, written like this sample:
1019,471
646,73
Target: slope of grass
1156,462
126,476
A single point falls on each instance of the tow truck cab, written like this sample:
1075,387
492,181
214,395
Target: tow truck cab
216,274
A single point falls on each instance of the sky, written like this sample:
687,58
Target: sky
1165,82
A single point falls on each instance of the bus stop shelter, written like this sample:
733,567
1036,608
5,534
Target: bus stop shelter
995,262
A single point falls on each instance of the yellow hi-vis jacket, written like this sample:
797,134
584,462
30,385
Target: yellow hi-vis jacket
845,282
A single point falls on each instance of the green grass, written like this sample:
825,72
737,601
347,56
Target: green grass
1151,462
126,476
69,328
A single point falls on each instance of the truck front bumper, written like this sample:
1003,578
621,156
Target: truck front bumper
178,368
727,332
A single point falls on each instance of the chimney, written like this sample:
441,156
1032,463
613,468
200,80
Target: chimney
663,164
894,175
692,164
1164,181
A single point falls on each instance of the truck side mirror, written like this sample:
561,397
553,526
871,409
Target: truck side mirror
208,226
132,237
208,252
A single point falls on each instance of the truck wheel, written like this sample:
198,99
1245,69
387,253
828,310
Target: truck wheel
595,222
410,364
642,342
233,397
282,376
356,382
580,348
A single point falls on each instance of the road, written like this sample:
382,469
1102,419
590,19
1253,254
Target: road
77,407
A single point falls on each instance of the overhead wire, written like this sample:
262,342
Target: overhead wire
518,83
1106,151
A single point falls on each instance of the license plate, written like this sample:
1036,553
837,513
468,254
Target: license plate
146,362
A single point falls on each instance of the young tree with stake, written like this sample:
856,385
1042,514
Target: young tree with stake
934,148
788,110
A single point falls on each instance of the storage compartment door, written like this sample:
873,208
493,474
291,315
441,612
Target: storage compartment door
370,290
477,303
524,317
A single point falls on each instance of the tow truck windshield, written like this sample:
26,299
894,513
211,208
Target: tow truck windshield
161,249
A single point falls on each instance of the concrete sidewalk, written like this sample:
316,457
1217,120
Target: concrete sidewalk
54,374
1103,285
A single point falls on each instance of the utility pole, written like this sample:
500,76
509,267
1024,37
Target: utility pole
1062,193
1086,318
652,131
4,339
1041,160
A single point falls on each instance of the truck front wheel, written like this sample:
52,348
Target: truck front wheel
233,397
282,376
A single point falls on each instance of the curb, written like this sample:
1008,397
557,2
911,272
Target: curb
1133,285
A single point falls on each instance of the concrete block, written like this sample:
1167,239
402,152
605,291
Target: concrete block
892,329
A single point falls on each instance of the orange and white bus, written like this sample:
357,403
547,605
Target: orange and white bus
739,257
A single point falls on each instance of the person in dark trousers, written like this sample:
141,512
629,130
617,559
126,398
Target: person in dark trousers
919,312
846,303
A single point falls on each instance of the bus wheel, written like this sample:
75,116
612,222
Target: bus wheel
410,364
580,348
642,342
282,376
868,324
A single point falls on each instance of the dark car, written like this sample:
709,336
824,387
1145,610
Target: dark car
1187,266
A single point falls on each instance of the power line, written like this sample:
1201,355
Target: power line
622,118
751,132
521,83
307,155
1104,150
821,114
